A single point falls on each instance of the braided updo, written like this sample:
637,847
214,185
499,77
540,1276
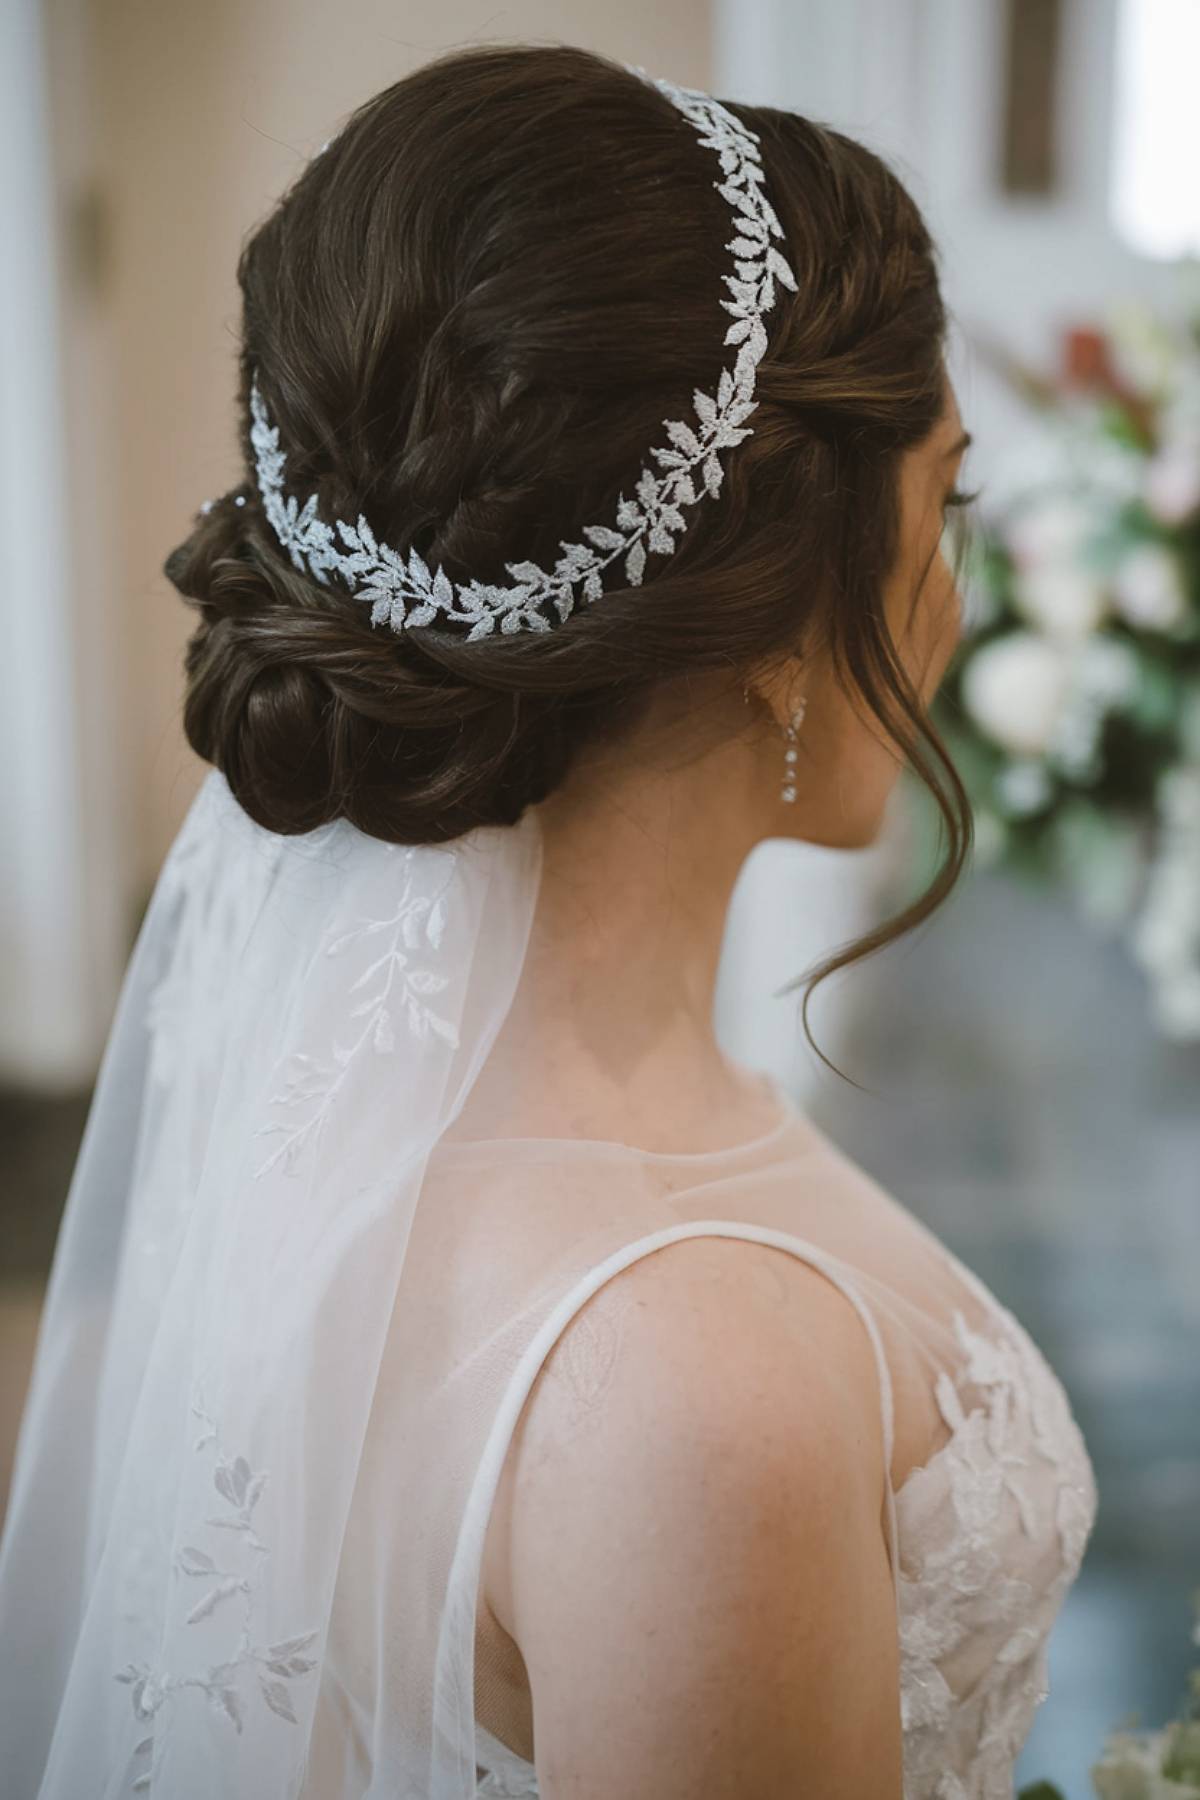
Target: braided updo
469,316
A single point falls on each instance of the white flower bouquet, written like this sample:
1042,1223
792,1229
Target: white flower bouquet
1073,705
1147,1765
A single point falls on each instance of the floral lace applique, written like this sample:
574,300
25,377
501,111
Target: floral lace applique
403,991
961,1584
224,1578
960,1587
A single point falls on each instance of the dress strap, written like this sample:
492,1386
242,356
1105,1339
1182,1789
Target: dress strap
455,1660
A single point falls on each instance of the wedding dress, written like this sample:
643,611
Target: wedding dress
294,1316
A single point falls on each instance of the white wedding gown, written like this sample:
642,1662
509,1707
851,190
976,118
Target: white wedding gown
988,1528
272,1398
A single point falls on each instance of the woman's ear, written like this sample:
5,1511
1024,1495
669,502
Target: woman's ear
778,690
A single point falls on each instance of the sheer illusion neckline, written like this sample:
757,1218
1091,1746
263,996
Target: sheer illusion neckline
789,1117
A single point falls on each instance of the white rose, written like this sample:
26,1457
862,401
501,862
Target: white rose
1102,673
1064,599
1053,529
1177,1004
1148,589
1111,473
1023,786
1107,671
1143,348
1014,689
1172,483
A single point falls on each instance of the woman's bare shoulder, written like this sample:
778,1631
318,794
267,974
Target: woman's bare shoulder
702,1318
692,1524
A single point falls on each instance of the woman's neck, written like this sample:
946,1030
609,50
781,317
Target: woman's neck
611,1032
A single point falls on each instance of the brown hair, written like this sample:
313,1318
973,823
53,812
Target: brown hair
469,317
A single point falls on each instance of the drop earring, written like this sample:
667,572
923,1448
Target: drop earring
791,755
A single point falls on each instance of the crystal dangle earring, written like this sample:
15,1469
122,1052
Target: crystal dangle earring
791,754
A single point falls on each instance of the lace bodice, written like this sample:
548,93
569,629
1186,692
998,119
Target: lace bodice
989,1534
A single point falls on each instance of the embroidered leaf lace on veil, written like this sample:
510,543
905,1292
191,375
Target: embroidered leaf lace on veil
293,1318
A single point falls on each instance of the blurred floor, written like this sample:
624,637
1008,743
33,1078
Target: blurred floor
1021,1104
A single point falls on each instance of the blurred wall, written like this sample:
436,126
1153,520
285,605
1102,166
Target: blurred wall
208,113
142,140
62,933
920,81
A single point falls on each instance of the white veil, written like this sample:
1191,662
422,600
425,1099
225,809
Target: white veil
300,1019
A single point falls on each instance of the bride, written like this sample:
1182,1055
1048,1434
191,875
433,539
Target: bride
456,1376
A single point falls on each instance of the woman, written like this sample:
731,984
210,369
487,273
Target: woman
457,1377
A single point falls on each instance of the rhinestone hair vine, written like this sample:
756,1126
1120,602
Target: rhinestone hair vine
403,592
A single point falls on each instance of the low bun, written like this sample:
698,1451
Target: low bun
312,715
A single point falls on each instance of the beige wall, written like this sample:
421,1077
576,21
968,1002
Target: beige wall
206,112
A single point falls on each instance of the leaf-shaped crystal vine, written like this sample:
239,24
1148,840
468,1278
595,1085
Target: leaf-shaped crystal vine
401,589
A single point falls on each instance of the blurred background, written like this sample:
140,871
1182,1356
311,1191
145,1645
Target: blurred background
1028,1063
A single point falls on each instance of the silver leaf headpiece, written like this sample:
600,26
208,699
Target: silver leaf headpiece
404,592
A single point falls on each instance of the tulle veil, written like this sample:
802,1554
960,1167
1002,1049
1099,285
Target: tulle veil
299,1020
